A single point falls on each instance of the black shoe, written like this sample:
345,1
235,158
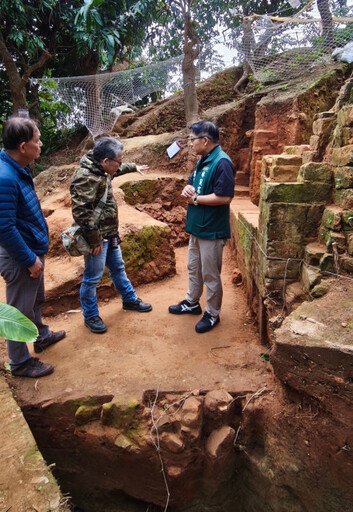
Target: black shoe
39,346
184,307
137,305
96,325
206,323
33,368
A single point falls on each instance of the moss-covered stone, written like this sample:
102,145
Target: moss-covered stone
319,290
343,177
143,191
344,198
332,218
347,220
141,248
350,243
87,413
296,192
347,263
345,116
121,414
315,172
323,125
284,249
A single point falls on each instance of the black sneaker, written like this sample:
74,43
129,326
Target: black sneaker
184,307
39,346
96,325
137,305
206,323
33,368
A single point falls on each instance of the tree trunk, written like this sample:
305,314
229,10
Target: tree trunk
191,52
18,91
326,20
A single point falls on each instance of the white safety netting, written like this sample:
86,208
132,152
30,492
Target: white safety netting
278,47
96,101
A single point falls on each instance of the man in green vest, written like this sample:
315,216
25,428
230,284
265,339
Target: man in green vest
209,191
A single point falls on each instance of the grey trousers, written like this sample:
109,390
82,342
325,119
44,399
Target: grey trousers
204,268
27,295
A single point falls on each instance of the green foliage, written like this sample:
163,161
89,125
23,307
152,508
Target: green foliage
15,326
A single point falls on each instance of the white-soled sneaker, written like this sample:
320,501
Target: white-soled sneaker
206,323
185,308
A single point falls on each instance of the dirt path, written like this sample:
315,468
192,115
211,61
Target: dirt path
147,351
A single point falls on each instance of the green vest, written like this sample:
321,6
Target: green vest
208,222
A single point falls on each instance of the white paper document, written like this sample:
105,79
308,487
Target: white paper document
173,149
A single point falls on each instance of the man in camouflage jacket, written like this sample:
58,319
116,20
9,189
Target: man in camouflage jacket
87,189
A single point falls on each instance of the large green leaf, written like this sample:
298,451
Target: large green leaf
15,326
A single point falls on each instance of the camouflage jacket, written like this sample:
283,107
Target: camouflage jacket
87,189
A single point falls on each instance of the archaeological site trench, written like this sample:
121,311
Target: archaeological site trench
255,416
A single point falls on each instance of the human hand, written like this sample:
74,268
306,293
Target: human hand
188,191
97,250
36,269
140,168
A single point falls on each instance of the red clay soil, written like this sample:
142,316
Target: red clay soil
151,350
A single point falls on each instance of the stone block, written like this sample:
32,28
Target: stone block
220,442
319,290
350,243
342,156
313,253
343,177
284,249
344,198
328,114
282,269
332,218
276,285
266,163
87,413
284,159
217,409
309,277
345,116
296,150
308,156
347,220
284,173
191,412
336,238
323,125
346,136
317,172
314,143
327,263
347,263
120,414
296,192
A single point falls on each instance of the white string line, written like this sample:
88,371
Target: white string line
255,395
157,447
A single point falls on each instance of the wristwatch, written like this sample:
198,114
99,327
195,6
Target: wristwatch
194,199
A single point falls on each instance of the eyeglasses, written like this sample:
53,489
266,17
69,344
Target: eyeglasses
191,139
117,161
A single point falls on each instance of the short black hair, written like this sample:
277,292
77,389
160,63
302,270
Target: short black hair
17,130
107,147
206,129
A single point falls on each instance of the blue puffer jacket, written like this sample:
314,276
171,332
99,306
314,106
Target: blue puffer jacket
23,228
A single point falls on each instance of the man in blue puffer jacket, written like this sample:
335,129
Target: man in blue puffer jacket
23,242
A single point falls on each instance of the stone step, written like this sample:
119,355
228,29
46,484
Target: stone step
242,178
313,253
241,190
296,150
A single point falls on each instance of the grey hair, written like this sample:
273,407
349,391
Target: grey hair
107,147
